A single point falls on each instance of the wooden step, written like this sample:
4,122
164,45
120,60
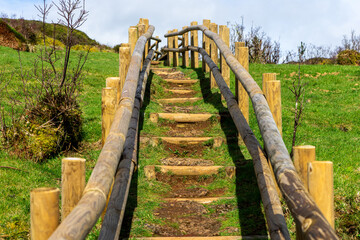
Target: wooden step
180,91
179,100
171,161
206,238
181,117
163,69
182,81
154,141
198,200
150,170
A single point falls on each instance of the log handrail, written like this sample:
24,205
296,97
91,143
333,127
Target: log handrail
86,213
303,208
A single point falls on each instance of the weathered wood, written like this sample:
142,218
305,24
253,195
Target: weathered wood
145,21
185,56
194,42
141,30
267,77
213,53
242,55
116,208
170,54
175,45
181,117
302,156
133,37
273,96
44,212
206,45
114,82
204,200
108,108
72,183
179,100
321,187
224,33
301,205
189,170
124,63
86,213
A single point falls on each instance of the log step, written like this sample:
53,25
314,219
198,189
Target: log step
150,170
180,91
154,141
198,200
163,69
206,238
183,81
186,162
181,117
179,100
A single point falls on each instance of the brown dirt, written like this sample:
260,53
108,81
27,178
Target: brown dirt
187,129
8,38
186,162
179,86
182,95
178,150
188,109
178,76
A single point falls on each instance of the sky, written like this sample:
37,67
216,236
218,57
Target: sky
319,22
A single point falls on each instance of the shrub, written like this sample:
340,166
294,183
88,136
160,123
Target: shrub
348,57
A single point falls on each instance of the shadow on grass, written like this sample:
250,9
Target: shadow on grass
133,192
252,219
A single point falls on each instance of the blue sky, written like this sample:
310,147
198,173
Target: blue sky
320,22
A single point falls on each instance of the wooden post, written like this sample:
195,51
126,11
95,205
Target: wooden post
213,53
114,82
170,54
302,155
272,91
321,187
72,183
185,59
206,45
44,212
145,21
224,33
124,63
133,37
108,106
141,31
195,43
176,54
242,55
267,77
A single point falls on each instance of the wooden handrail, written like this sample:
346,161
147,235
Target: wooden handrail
86,213
303,208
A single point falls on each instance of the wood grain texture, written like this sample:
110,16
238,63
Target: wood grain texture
44,212
213,53
206,44
114,82
224,33
108,105
185,56
175,45
303,155
194,42
242,55
273,96
133,37
124,63
86,213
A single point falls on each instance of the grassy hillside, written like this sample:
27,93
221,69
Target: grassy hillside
331,123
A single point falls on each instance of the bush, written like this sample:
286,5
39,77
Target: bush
348,57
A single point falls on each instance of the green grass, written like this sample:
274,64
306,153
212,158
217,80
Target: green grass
331,123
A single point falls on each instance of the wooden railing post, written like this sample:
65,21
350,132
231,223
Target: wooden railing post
206,45
302,155
321,188
176,54
145,21
170,54
272,92
242,55
141,31
195,43
266,78
72,183
213,53
108,107
44,212
114,82
224,33
185,57
133,37
124,62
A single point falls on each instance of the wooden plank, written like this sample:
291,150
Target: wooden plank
188,170
183,117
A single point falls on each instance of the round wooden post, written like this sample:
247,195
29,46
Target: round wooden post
267,77
242,55
72,183
44,212
224,33
170,54
124,63
302,155
108,106
145,21
176,45
321,187
185,59
206,45
272,92
213,53
194,42
141,31
114,82
133,37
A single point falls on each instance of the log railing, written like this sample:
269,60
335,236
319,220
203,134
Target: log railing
312,224
84,216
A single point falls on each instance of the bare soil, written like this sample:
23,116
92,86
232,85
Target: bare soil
187,129
186,162
179,150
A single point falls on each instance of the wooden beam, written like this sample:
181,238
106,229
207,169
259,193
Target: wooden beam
242,55
206,45
194,42
175,45
213,53
185,56
224,33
